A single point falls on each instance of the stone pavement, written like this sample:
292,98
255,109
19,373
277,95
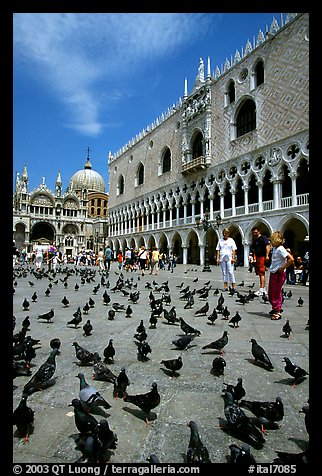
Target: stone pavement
194,395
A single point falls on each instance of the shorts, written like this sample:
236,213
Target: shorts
260,265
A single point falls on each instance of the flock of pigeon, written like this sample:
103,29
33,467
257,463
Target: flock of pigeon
247,421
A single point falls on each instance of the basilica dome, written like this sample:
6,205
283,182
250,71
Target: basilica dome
87,178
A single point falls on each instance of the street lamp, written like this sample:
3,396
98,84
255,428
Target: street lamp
205,223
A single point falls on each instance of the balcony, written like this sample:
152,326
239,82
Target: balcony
194,165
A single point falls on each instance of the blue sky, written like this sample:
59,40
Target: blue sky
97,79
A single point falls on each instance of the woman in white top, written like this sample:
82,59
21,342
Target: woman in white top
39,256
142,257
226,252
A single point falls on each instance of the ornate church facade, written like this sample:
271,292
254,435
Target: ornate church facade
233,152
71,220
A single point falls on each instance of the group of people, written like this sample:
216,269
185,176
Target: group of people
267,253
145,260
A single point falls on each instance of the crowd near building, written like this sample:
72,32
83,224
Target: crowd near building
233,152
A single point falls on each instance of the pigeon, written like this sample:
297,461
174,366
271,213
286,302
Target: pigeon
226,313
239,422
26,323
102,372
143,350
153,321
183,342
107,437
212,317
89,396
34,297
306,410
109,353
218,366
145,401
55,343
140,328
31,283
218,344
86,308
106,298
111,314
197,451
170,317
87,328
65,301
43,376
187,329
190,302
237,391
203,310
84,356
76,287
173,364
141,336
235,320
120,384
295,371
300,302
287,329
267,412
241,454
47,292
292,458
118,307
260,355
153,459
129,311
25,304
77,319
84,421
23,418
47,316
91,302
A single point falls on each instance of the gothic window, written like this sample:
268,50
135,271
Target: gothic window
140,174
259,73
231,92
246,118
166,163
197,149
120,186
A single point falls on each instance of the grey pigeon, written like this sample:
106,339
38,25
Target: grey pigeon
121,383
47,316
89,396
260,355
295,371
218,366
145,401
23,418
203,310
241,454
173,364
287,329
43,376
187,329
267,412
218,344
237,391
183,342
239,423
197,451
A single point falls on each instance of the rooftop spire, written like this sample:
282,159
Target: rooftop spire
88,165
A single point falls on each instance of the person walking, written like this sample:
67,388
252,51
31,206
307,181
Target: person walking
142,255
100,259
281,259
261,250
39,256
108,257
226,252
154,260
120,259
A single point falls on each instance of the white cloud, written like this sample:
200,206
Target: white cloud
75,53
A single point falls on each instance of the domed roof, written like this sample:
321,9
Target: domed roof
87,178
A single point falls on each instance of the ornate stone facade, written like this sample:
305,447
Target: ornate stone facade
238,145
74,219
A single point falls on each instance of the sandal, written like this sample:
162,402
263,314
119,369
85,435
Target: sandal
276,316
